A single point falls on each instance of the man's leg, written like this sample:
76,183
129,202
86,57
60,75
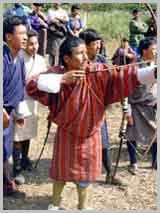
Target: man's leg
132,156
154,155
9,186
83,194
51,60
106,158
26,162
17,158
58,187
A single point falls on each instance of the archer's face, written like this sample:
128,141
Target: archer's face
78,59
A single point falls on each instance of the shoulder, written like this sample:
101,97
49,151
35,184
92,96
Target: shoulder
6,54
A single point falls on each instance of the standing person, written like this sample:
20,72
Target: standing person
79,114
57,14
19,10
37,17
39,23
74,25
93,45
103,50
142,111
137,30
124,54
57,18
15,37
34,64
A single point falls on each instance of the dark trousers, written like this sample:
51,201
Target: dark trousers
132,151
106,159
20,155
42,38
131,145
154,152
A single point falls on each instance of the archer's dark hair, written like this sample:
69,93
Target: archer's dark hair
75,7
32,33
67,46
10,23
145,44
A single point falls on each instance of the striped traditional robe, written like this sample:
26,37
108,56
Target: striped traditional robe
78,111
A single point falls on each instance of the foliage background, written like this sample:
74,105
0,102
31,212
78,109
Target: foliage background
111,20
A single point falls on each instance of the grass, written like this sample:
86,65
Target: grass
111,25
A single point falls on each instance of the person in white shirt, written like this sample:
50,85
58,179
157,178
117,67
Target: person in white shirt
57,18
34,64
56,14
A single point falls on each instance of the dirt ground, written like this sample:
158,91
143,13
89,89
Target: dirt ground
139,194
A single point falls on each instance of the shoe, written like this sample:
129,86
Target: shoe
15,194
10,189
52,207
133,169
88,208
19,179
113,181
154,165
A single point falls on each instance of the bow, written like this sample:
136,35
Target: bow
85,15
148,6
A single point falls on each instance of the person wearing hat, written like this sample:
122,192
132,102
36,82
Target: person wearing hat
93,44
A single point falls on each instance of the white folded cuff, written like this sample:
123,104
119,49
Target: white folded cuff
146,75
22,110
50,83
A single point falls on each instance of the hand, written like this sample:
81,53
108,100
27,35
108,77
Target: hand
72,76
125,52
5,119
129,119
76,33
20,122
